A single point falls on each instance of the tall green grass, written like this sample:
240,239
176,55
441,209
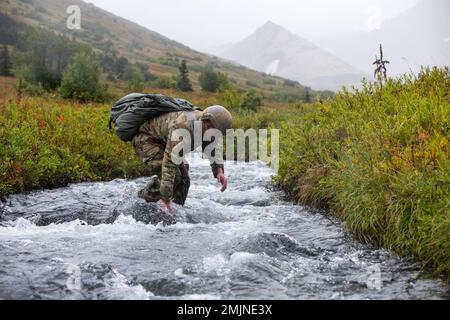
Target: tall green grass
379,160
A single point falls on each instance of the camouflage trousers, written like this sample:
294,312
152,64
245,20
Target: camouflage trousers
151,153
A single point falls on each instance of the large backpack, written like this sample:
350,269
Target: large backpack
130,112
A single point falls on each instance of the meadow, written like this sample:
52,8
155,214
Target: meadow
376,158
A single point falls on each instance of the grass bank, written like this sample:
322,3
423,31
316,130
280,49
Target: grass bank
50,143
380,162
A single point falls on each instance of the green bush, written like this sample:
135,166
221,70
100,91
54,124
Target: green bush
145,72
290,95
32,90
251,83
136,83
50,143
81,80
252,100
163,83
290,83
379,160
211,81
269,81
231,98
240,101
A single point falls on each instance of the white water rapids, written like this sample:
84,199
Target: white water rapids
94,241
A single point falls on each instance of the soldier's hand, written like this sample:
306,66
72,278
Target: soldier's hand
167,206
223,181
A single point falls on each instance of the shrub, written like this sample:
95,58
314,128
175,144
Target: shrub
269,81
379,160
81,80
136,84
290,83
33,90
163,83
231,98
251,83
50,143
252,100
211,81
145,72
240,101
292,95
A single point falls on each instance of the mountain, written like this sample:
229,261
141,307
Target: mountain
417,36
107,32
274,50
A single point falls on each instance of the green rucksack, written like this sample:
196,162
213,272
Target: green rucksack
130,112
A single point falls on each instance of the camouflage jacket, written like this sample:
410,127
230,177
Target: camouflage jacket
160,131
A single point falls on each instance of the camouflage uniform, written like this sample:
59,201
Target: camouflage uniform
153,146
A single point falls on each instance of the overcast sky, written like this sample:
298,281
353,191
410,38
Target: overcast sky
201,24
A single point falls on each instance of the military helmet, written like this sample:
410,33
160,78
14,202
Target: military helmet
220,118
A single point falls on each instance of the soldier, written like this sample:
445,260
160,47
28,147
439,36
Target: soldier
154,145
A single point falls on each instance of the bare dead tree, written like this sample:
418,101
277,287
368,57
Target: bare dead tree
380,73
19,91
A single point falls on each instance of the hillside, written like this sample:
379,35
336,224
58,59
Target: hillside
107,32
275,50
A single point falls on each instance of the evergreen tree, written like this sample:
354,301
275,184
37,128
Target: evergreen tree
307,96
5,62
136,82
183,82
122,68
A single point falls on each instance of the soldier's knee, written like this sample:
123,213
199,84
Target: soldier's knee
154,167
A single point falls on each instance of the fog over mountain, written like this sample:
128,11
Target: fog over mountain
347,33
418,36
274,50
202,24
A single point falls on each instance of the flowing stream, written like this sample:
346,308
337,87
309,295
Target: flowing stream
99,241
